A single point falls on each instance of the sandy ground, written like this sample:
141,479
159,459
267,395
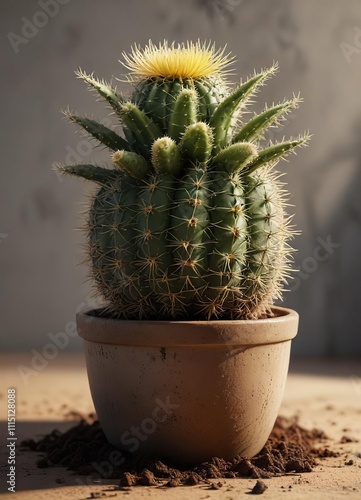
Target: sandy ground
324,394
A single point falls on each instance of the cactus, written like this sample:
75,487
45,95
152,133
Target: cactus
190,222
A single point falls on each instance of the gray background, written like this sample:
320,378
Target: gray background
41,286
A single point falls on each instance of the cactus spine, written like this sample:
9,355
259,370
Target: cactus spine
190,222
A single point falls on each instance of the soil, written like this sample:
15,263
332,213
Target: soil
85,450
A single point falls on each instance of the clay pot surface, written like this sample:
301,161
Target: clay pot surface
188,390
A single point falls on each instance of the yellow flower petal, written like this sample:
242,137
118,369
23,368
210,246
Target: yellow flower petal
190,60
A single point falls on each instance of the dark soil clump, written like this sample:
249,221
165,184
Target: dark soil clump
84,450
259,488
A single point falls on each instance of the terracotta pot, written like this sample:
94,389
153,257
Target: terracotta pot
188,390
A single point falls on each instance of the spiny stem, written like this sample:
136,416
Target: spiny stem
166,157
274,152
132,164
268,118
224,113
104,89
100,132
90,173
196,143
235,157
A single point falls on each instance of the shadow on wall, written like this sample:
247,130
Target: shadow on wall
326,291
345,225
329,302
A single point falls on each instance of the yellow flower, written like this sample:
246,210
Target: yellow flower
189,60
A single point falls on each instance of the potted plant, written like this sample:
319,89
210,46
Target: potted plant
188,243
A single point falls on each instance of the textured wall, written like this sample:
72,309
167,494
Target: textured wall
318,46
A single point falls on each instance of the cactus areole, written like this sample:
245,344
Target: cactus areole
190,222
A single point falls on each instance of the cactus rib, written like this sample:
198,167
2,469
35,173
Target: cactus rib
145,131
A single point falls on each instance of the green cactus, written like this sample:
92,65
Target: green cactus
190,222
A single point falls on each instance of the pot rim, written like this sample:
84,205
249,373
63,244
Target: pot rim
189,334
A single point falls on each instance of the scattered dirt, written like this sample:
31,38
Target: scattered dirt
85,450
348,439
